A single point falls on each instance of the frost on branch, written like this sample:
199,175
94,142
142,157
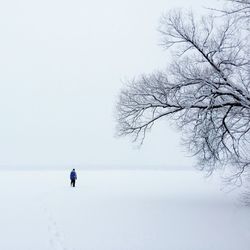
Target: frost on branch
205,91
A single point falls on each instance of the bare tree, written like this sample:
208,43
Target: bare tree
205,91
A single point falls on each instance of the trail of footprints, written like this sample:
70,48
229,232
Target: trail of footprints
56,239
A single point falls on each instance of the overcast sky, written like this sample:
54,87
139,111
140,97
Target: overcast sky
62,64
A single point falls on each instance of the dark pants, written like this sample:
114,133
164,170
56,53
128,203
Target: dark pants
73,183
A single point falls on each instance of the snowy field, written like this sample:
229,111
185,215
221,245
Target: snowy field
119,210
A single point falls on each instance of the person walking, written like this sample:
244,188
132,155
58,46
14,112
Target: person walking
73,178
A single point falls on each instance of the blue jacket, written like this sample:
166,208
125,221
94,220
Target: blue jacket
73,175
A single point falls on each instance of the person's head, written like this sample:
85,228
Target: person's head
73,169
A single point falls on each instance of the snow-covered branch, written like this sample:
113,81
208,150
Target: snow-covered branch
205,90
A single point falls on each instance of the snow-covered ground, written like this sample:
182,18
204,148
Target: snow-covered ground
119,210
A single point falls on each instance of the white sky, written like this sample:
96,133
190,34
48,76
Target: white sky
62,64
